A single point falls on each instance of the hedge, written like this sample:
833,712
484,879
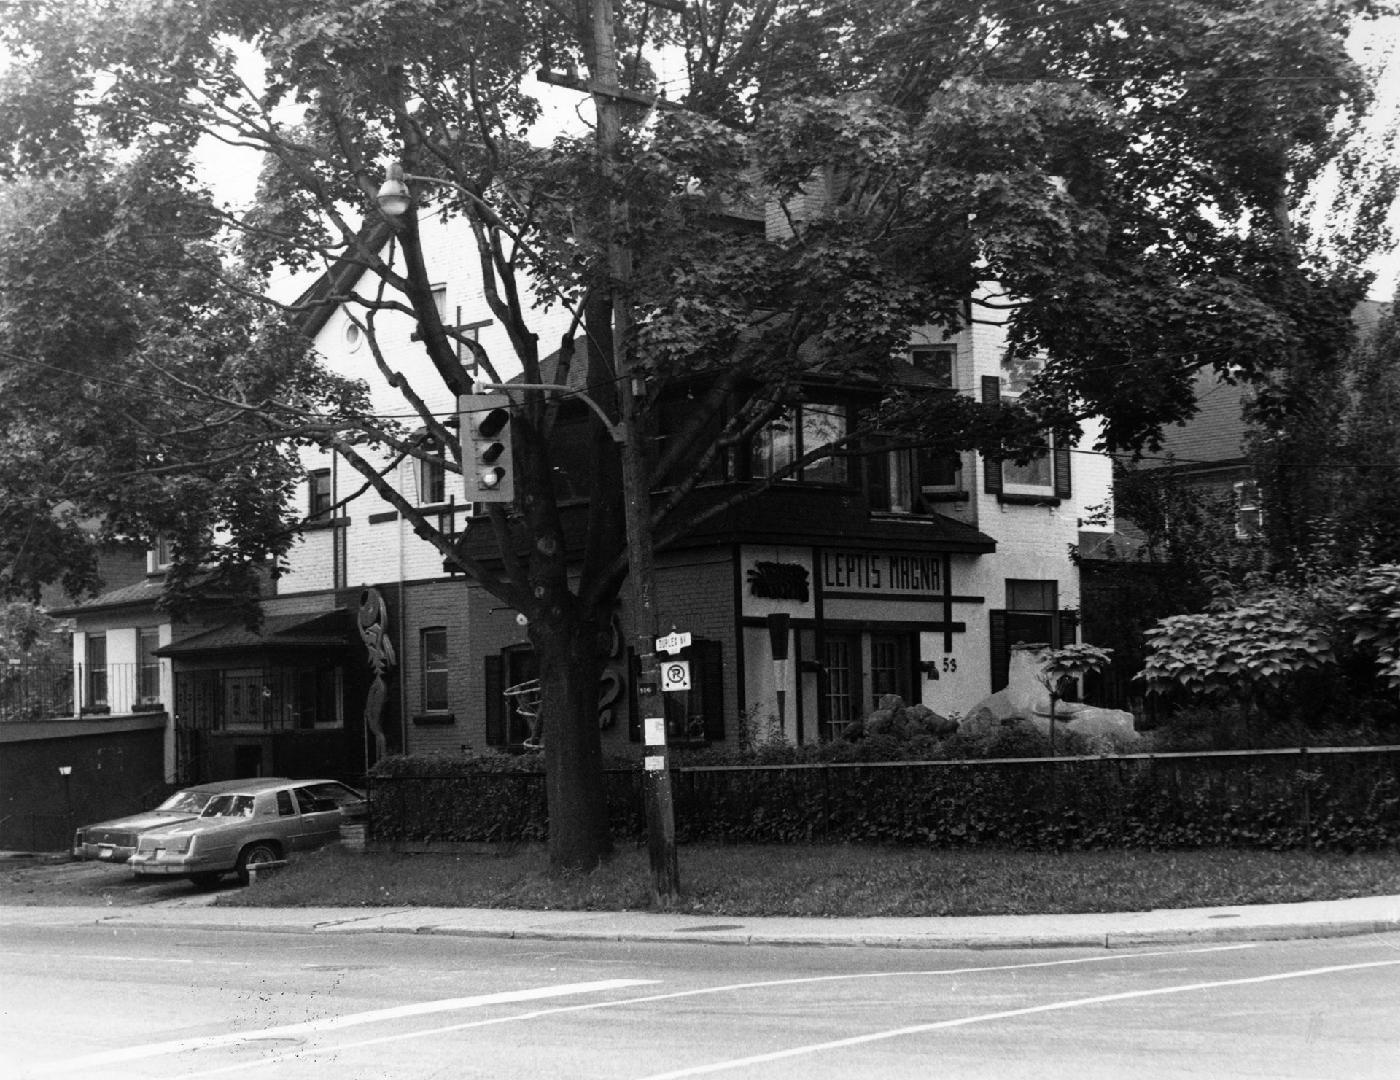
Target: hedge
1330,799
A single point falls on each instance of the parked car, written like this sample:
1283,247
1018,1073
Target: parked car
246,824
115,840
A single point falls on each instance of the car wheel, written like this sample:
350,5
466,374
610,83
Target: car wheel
206,881
254,854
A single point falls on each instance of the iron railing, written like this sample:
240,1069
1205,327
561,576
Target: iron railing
52,691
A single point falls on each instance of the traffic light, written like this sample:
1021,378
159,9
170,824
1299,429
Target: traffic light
486,456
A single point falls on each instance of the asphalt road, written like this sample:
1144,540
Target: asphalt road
94,1001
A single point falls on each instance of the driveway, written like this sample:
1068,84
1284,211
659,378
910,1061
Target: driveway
45,879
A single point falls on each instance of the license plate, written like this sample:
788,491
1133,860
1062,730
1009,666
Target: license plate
106,852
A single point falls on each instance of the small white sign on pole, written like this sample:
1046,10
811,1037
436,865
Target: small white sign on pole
654,763
655,730
675,675
673,642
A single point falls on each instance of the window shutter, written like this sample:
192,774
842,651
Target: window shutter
1068,627
991,463
494,681
1001,652
709,658
1063,488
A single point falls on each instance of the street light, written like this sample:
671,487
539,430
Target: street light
394,197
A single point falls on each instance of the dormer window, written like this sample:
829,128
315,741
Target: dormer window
161,555
937,362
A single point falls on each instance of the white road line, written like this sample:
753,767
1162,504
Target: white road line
964,1021
124,958
329,1023
303,1052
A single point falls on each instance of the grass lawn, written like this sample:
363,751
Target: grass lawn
832,880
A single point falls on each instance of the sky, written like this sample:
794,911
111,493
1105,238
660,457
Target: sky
1375,45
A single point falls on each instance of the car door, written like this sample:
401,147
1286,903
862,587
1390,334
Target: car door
319,823
353,807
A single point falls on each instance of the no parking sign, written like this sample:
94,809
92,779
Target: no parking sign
675,675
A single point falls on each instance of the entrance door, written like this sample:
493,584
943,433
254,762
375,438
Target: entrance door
842,696
891,667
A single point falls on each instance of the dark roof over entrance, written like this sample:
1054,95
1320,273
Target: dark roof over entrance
307,630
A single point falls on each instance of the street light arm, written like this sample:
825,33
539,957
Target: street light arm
394,199
618,432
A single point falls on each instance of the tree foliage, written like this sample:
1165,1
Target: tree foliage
1260,645
1128,172
134,363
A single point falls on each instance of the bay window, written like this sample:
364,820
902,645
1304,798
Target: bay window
800,431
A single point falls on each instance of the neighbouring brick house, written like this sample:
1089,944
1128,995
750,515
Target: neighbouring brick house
1206,454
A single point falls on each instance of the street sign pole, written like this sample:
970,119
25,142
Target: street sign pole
656,791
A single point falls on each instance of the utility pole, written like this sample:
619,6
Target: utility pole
656,776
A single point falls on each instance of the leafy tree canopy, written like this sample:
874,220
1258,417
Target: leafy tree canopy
131,364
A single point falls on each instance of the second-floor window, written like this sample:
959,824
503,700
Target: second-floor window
319,499
799,431
1031,477
95,681
147,666
1249,510
432,475
912,481
1044,474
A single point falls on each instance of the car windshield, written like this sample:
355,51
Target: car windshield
187,801
229,806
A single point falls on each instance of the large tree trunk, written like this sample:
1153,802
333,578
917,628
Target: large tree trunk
570,670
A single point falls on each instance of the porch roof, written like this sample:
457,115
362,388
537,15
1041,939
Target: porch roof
307,630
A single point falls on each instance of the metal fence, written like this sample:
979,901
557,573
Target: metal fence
35,692
52,691
1326,797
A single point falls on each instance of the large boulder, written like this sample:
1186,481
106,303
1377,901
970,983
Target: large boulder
892,717
1108,731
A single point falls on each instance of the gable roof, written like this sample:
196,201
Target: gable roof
317,303
138,593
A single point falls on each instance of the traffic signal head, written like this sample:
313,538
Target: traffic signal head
486,453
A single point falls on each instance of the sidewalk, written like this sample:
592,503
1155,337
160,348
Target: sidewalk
1275,922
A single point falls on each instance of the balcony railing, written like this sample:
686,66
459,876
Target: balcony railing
48,691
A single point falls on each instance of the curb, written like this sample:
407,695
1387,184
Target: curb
1043,939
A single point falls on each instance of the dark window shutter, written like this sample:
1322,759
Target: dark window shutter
1001,652
495,685
991,471
877,480
1068,626
709,659
1063,487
